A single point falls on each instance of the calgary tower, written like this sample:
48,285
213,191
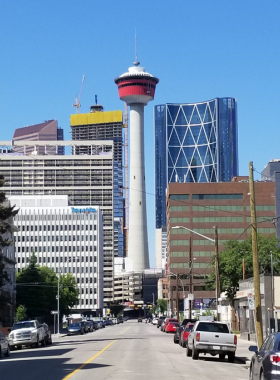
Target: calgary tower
137,88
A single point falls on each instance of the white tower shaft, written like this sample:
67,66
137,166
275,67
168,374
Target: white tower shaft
138,236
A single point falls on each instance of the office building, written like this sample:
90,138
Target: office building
108,125
46,131
87,180
137,88
194,142
199,207
65,238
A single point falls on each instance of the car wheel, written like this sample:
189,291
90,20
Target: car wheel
175,340
37,343
50,340
222,356
262,376
44,342
188,351
251,374
8,353
231,357
184,344
0,353
195,354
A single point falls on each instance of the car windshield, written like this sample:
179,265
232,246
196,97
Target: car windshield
213,327
24,325
74,325
174,323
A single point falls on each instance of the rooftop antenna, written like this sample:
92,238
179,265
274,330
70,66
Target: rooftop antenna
136,63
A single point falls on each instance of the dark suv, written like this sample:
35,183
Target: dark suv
160,320
179,329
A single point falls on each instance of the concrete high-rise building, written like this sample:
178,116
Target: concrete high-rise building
47,131
137,88
86,179
104,125
194,142
65,238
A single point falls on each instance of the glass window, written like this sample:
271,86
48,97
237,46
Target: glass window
217,196
179,196
179,220
179,208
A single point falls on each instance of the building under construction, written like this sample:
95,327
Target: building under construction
108,125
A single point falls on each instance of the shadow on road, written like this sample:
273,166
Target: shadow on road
216,359
44,369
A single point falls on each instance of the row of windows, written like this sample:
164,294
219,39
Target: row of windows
220,230
186,265
217,196
217,208
179,242
207,219
260,219
86,302
180,220
57,248
149,85
179,196
64,227
57,259
262,208
196,254
179,208
55,217
87,291
36,238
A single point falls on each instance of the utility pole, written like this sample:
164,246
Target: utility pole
177,296
216,242
58,301
256,273
243,268
272,282
191,291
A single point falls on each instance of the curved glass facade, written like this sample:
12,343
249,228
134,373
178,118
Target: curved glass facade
194,142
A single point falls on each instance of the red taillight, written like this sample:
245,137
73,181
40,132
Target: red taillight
274,359
197,338
235,339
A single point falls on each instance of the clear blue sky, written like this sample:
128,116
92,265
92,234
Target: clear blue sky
198,49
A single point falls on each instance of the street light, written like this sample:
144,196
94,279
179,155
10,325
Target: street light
177,295
215,241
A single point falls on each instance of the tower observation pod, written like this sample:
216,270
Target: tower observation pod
137,88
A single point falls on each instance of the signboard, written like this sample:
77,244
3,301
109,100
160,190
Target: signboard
251,301
190,297
83,210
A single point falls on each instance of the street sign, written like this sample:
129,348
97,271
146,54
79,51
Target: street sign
54,312
251,301
190,297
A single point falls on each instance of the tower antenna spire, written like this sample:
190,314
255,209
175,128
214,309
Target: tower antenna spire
136,63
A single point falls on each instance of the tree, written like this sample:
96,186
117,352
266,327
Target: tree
230,262
7,213
37,290
162,303
20,313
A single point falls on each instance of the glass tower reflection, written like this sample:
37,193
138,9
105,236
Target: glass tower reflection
194,142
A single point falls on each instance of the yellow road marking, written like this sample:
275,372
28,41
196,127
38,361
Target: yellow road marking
93,357
88,361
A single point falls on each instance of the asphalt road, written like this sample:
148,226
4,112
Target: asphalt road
129,351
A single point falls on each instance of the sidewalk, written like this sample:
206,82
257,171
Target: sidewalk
242,352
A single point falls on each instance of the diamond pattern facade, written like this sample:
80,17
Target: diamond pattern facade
194,142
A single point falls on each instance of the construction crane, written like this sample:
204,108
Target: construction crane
77,103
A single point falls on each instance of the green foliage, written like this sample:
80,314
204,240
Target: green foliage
162,303
230,262
116,308
37,290
20,314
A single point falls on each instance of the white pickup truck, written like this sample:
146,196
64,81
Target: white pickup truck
26,333
212,338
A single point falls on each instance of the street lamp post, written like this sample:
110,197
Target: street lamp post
177,293
216,243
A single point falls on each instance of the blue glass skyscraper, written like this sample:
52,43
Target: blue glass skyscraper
194,142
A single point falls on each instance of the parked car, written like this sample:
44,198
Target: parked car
185,334
167,320
211,338
48,334
4,346
26,333
109,322
75,328
159,322
155,320
177,335
139,319
85,326
265,362
120,319
171,327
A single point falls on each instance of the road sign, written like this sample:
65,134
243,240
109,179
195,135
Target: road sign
54,312
251,301
190,297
